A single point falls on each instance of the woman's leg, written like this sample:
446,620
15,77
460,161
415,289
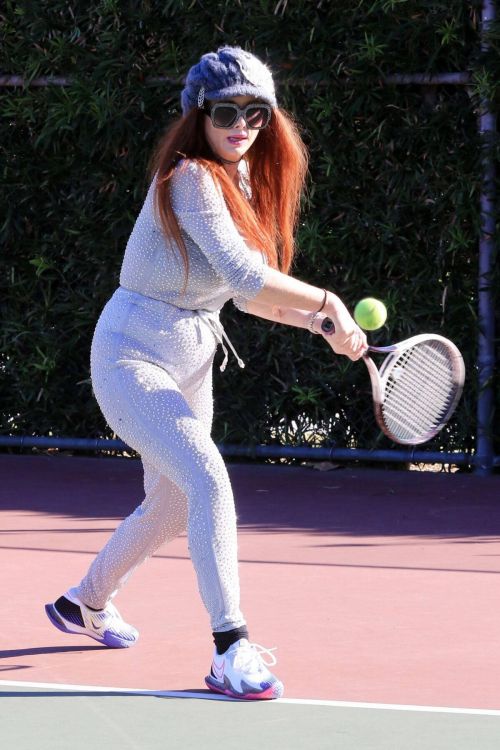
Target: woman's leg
163,513
161,516
145,406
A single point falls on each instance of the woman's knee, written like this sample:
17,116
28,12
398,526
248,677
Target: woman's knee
164,504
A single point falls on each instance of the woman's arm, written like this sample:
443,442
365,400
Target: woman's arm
282,292
202,213
287,315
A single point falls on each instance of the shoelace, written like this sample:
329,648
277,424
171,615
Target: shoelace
113,612
253,653
218,330
109,614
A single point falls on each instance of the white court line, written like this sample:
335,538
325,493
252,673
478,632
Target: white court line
214,697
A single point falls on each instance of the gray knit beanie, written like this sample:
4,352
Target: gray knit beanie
231,71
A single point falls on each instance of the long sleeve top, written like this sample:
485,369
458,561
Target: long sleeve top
221,264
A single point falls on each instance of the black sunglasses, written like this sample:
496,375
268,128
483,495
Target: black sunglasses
225,114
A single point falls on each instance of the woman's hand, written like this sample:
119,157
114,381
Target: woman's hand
348,338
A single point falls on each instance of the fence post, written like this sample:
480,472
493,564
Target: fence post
486,313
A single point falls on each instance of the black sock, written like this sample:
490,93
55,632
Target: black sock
224,640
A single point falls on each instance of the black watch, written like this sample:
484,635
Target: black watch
327,326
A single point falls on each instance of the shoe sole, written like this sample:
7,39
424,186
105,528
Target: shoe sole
275,691
109,639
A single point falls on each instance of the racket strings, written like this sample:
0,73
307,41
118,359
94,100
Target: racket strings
421,385
419,391
424,376
417,395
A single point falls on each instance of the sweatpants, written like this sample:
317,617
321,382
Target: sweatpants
151,369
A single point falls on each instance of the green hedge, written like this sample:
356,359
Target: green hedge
391,209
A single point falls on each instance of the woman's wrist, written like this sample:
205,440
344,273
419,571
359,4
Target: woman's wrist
334,306
331,307
315,322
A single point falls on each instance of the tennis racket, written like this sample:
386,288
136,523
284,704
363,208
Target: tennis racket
417,388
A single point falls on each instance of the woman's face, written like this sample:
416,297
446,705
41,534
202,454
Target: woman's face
231,143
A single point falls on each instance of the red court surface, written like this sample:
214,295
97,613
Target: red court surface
376,586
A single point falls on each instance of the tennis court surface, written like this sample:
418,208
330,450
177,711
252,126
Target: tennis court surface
380,589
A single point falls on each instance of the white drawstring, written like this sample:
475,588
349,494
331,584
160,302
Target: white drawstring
218,330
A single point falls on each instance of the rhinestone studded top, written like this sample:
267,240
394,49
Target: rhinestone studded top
221,265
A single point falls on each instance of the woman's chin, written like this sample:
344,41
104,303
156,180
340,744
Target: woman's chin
233,154
232,157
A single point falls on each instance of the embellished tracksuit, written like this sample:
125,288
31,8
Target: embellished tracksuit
151,366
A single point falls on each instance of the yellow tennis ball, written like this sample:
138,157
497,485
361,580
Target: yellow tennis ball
370,314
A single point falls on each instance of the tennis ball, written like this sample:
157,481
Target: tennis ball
370,314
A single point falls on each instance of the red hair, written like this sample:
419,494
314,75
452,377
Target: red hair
277,164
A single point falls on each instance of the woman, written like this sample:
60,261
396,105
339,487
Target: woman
217,224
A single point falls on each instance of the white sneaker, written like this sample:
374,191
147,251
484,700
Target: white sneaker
71,615
242,673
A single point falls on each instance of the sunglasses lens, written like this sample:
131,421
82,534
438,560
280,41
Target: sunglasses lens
257,117
225,116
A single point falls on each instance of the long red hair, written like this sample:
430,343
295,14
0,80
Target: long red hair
277,164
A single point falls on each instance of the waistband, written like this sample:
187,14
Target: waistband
209,317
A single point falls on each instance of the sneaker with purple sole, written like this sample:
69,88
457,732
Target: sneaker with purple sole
71,615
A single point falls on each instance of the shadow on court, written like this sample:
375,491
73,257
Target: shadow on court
49,650
270,498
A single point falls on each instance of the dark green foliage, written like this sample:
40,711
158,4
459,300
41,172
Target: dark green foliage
391,210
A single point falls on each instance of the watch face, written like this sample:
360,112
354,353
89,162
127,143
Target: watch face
328,326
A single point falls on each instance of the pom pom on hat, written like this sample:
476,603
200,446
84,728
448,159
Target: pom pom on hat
231,71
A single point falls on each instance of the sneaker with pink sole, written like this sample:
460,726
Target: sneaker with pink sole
241,672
